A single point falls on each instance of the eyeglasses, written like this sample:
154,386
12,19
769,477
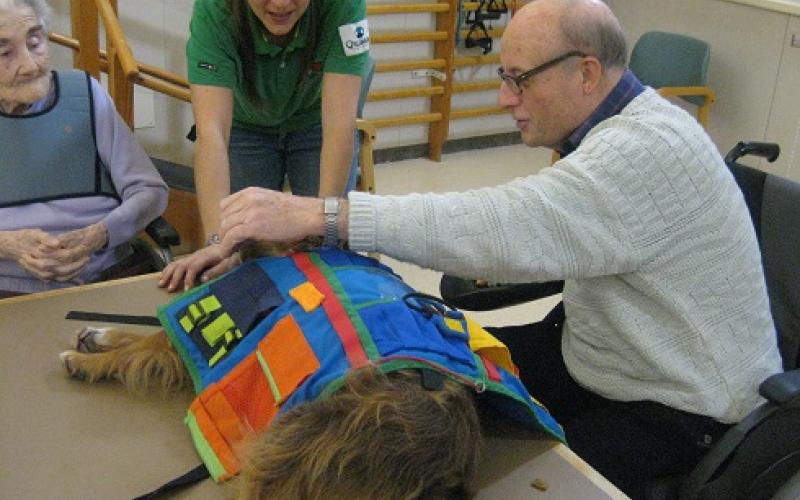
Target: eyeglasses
515,82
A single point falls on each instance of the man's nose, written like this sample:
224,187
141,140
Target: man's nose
505,97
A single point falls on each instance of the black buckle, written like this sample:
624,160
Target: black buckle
429,305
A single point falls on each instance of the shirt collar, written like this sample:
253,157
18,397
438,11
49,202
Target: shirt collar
264,47
621,95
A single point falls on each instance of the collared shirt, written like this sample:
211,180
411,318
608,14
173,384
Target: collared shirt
291,103
623,93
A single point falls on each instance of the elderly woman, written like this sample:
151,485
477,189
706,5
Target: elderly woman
75,186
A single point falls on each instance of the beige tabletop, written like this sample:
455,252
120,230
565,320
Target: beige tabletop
64,439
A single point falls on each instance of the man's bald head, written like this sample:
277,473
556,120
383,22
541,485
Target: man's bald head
589,26
573,52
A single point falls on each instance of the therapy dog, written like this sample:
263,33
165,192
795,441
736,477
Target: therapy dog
321,375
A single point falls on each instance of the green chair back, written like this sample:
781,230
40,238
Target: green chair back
661,59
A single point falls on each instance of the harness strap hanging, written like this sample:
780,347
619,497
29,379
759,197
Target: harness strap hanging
125,319
193,476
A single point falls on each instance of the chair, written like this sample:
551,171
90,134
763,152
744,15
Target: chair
367,133
760,456
146,258
676,66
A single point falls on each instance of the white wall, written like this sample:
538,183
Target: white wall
754,70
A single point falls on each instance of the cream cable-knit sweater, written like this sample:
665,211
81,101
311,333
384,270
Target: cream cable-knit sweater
665,297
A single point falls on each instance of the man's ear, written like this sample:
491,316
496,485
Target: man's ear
591,73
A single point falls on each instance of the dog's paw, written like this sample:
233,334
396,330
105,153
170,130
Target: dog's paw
91,339
69,362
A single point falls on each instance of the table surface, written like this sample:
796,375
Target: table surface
62,438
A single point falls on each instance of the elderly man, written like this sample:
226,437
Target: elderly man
74,184
667,331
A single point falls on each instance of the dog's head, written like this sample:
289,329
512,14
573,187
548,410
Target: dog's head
378,436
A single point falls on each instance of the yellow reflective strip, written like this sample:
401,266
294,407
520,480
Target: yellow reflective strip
194,313
216,357
209,304
273,386
187,324
215,330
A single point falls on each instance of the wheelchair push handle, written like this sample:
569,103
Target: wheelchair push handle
767,150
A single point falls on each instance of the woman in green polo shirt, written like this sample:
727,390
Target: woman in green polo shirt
275,86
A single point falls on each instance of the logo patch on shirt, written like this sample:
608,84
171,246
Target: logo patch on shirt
355,38
208,66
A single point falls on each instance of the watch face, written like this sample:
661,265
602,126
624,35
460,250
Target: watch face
331,210
331,205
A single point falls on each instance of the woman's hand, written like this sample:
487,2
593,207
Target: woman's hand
205,264
53,258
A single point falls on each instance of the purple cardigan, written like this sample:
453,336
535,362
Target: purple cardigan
144,197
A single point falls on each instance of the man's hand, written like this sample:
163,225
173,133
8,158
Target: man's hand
266,215
205,263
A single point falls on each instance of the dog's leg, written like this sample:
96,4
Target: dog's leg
94,339
140,363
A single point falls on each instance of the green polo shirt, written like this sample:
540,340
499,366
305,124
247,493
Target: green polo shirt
289,104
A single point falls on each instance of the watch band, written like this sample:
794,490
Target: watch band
330,208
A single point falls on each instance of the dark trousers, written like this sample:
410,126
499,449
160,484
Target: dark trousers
630,443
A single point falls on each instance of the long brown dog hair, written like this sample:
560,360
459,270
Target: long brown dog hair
378,437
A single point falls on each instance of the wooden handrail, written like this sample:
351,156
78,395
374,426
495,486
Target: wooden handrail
399,121
410,64
458,114
476,86
476,60
411,36
144,68
117,36
388,94
373,10
165,87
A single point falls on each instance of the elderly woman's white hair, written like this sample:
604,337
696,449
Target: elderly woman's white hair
40,7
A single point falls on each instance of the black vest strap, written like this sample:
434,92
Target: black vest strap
125,319
193,476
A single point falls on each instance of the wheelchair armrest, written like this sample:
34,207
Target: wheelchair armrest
782,388
163,233
466,294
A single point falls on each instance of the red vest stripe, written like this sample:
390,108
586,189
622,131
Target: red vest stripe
336,313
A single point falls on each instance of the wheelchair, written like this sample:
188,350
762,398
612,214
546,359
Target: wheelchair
146,258
758,458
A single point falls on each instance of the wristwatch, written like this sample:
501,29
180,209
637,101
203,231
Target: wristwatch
330,208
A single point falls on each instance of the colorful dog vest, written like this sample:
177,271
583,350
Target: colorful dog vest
278,332
60,139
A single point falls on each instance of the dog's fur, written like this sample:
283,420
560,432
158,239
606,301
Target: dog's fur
379,436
